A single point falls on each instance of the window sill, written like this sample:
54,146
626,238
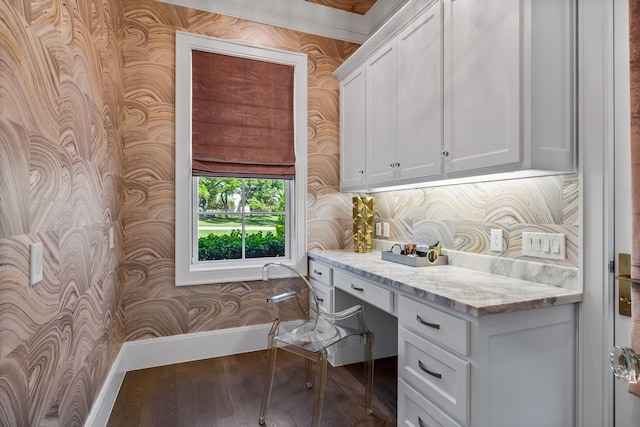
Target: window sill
231,271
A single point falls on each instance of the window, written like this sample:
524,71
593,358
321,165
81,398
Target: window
229,224
241,218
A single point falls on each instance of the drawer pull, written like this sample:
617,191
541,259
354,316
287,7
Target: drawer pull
429,324
433,374
319,273
420,422
355,288
320,299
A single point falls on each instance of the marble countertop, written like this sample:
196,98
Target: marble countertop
472,292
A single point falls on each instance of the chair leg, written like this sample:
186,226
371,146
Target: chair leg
368,366
269,383
321,376
308,372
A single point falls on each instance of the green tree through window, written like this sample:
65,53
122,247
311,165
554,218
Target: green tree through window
241,218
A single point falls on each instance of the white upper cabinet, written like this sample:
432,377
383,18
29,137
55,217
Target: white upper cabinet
508,79
404,116
381,76
402,107
352,136
462,88
482,84
549,85
419,122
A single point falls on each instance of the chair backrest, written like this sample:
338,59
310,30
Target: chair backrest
290,297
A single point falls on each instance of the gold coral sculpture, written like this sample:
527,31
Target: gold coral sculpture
363,217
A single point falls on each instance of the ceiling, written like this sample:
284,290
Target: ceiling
351,20
361,7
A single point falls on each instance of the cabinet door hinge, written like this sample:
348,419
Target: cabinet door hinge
612,266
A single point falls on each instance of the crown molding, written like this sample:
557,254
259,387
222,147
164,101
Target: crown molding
301,15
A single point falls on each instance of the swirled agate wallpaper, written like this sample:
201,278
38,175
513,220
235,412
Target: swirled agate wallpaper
87,146
461,216
62,184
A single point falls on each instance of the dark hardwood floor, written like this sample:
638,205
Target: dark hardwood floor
227,392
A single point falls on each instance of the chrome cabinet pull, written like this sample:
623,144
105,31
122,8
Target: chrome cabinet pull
445,153
319,273
320,299
420,423
356,288
429,324
433,374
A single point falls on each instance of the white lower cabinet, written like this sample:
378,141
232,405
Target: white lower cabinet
416,411
378,304
364,290
321,280
337,290
497,370
509,369
436,373
325,296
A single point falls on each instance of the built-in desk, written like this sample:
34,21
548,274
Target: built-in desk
474,348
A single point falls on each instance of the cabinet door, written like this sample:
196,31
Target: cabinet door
381,114
482,83
419,144
352,130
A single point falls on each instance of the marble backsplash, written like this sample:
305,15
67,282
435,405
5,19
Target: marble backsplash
461,217
554,275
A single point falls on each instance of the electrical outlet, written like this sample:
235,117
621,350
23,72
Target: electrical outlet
385,229
544,245
111,240
496,240
378,228
35,264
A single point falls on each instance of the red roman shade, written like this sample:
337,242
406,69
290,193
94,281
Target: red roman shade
242,117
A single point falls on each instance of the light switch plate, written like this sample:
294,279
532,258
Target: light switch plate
544,245
35,264
496,240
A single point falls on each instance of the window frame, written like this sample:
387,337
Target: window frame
190,273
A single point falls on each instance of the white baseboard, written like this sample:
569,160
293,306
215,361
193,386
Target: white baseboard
169,350
101,408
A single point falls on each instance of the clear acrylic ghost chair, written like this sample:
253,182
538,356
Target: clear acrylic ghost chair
301,328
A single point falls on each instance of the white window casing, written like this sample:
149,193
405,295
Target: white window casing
189,271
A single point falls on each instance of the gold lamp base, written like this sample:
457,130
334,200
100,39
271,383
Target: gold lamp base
363,223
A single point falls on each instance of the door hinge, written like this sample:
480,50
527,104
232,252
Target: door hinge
612,266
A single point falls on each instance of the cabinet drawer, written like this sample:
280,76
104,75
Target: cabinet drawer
324,295
438,326
437,374
416,411
320,272
364,290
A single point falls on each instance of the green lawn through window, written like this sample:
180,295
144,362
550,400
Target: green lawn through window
223,224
